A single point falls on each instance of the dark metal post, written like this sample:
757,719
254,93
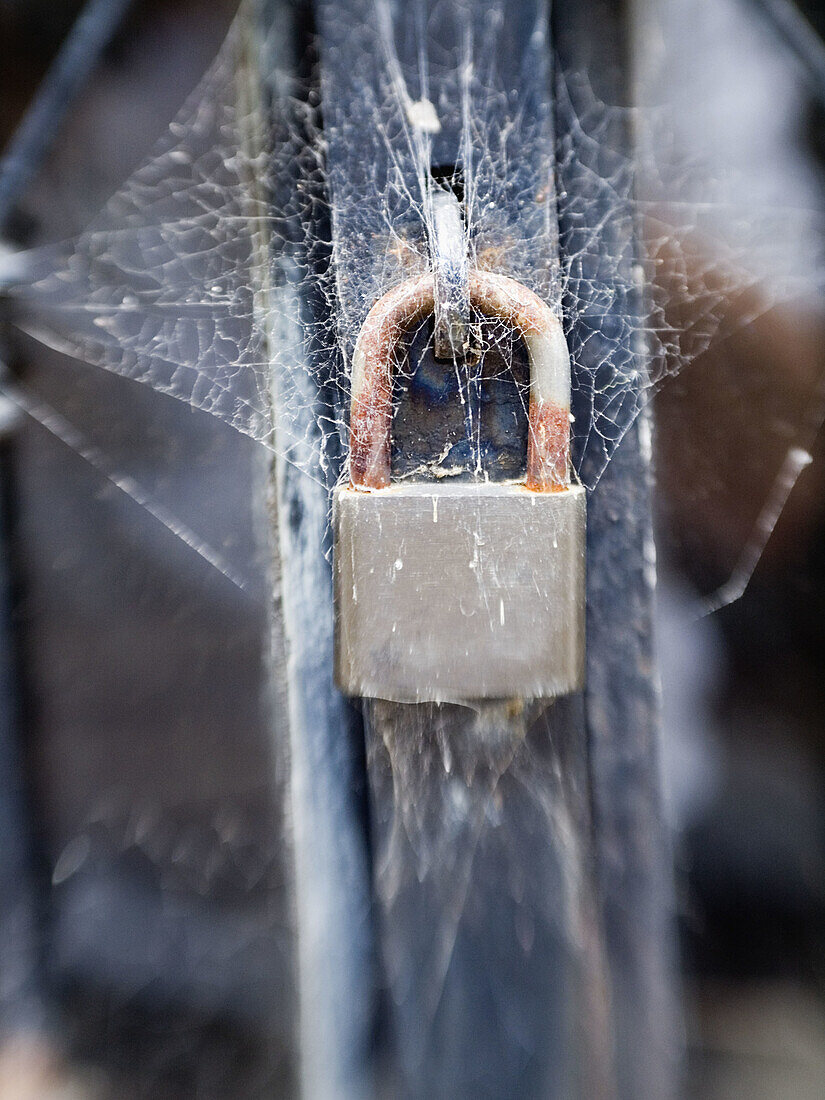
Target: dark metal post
520,860
488,925
315,730
598,235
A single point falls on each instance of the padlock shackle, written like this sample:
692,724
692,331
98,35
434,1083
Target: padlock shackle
548,442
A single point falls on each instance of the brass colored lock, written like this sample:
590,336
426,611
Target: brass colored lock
462,591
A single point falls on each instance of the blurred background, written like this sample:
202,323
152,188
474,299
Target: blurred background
743,688
160,954
146,939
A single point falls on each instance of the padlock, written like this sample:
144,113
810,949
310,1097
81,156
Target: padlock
466,590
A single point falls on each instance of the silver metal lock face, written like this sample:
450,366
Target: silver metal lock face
449,593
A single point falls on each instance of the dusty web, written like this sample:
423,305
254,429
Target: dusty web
235,268
193,278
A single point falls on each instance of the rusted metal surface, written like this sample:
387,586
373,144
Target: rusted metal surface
548,457
371,414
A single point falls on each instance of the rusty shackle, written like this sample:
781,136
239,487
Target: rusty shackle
548,442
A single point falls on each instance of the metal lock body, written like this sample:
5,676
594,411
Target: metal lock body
448,593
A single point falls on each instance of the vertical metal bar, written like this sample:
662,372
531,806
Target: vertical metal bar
491,944
487,924
599,242
487,929
324,748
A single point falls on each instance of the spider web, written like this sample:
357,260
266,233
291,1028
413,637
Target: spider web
190,282
171,285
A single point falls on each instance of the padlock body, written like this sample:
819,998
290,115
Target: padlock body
448,593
